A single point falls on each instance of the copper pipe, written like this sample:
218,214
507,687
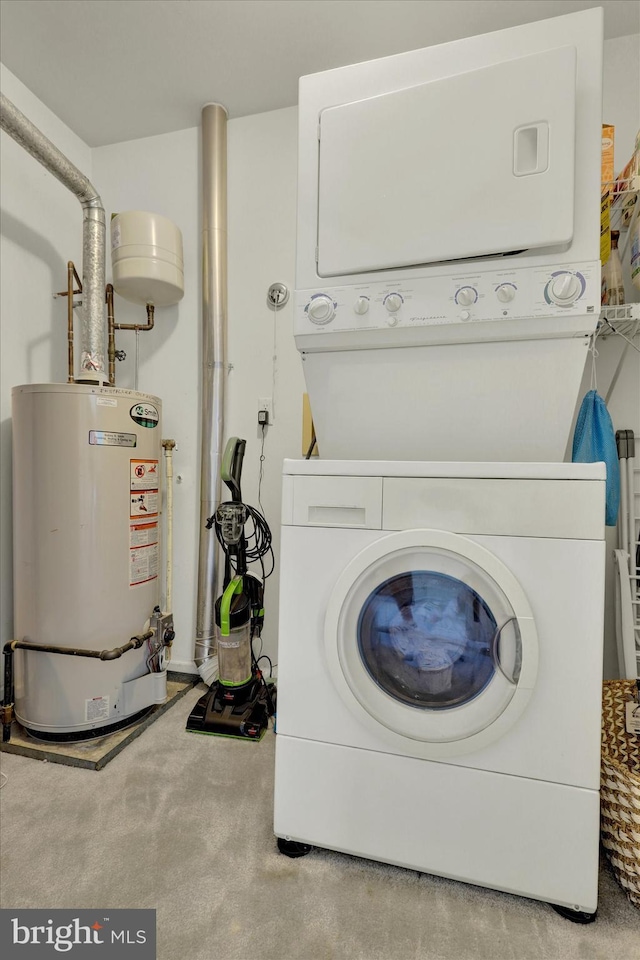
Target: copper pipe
65,293
139,326
72,277
112,326
111,347
70,375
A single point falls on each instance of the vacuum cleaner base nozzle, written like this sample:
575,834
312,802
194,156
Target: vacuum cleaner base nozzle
238,712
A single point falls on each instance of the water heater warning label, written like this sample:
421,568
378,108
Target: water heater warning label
144,475
143,534
144,503
143,564
144,499
96,709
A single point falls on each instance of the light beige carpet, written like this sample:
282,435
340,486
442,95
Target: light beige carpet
183,823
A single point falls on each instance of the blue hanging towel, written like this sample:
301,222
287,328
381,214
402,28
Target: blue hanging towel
594,440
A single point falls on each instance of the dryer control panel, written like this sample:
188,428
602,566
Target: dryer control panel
463,299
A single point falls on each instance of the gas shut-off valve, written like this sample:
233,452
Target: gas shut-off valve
162,626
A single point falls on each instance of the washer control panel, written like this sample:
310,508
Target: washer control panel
510,294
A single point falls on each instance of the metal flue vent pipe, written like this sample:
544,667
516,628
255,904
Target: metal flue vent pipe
15,123
214,365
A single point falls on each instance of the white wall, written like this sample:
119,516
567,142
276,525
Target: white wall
621,93
162,174
41,226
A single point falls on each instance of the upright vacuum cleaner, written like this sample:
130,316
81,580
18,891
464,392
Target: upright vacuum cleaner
240,702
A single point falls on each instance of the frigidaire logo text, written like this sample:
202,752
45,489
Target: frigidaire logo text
65,937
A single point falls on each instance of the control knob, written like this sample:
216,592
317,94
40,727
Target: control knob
466,296
361,305
393,302
321,309
564,289
505,292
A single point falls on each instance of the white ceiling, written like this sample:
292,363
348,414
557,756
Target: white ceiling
117,70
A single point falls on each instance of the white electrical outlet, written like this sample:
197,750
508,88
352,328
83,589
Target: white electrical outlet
266,403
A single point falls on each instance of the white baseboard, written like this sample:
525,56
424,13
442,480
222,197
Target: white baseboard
182,666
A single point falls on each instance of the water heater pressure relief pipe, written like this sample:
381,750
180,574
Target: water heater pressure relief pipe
13,122
168,447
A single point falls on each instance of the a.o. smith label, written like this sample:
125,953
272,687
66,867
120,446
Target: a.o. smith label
145,415
83,934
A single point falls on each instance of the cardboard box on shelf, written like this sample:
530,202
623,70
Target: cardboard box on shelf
608,173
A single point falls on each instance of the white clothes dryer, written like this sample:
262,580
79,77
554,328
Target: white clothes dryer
440,669
449,300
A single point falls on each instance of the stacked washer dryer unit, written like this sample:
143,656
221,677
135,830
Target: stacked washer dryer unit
440,662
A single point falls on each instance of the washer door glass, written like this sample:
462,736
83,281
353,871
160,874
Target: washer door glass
432,635
428,639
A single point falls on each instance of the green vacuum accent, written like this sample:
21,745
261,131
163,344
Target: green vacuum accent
235,683
235,586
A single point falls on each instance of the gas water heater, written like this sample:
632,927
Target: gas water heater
87,488
89,634
87,491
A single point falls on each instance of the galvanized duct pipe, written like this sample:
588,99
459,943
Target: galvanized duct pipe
214,362
93,234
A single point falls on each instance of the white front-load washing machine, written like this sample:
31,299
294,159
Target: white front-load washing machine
440,669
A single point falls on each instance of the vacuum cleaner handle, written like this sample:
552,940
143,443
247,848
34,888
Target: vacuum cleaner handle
231,469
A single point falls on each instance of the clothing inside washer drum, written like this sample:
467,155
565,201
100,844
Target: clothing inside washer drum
427,639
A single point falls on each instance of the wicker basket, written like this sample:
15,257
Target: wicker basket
620,788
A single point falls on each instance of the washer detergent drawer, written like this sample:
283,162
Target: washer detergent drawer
334,502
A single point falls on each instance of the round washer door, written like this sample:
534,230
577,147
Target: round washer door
432,636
